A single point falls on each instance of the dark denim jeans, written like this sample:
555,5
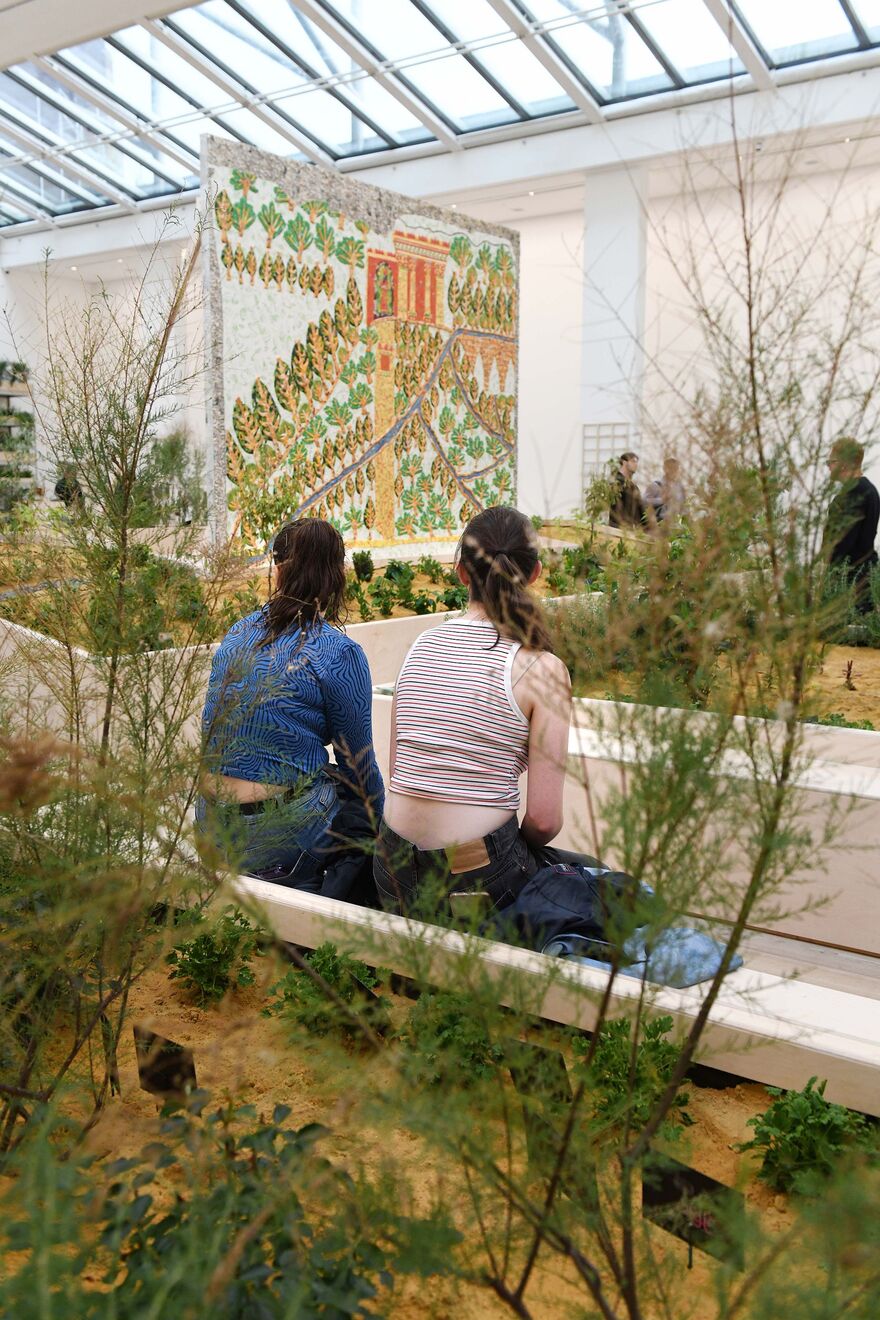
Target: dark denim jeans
288,837
405,873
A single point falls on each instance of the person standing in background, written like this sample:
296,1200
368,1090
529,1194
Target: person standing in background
853,514
666,496
627,509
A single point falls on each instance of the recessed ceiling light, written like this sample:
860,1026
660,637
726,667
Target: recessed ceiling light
119,261
454,206
531,192
73,268
847,139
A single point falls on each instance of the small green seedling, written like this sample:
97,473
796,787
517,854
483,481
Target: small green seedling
431,568
218,959
384,596
423,602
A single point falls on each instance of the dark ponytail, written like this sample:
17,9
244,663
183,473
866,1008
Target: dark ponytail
499,552
309,557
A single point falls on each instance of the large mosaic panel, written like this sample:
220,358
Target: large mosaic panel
363,354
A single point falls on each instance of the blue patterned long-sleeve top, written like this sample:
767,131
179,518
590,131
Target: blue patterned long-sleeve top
271,711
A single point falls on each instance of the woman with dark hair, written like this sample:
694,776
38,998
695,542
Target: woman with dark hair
479,699
286,682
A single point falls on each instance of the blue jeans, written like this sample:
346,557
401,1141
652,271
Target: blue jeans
405,873
289,838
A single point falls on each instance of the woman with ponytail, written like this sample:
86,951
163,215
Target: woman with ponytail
479,699
286,682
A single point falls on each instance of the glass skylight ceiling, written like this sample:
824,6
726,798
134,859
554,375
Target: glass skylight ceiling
116,121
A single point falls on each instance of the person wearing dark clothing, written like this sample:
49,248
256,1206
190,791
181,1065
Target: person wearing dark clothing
853,515
68,490
628,509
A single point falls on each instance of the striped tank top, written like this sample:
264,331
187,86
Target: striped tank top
461,737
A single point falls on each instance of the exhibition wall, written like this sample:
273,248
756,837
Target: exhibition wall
363,353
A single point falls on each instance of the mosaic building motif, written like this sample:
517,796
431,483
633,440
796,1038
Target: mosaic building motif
368,377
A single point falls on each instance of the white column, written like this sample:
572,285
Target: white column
551,301
613,311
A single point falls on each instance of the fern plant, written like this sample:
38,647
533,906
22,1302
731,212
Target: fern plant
215,960
447,1043
300,1000
626,1088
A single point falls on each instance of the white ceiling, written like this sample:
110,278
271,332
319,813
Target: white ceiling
37,27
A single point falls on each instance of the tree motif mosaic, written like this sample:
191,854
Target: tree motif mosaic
368,377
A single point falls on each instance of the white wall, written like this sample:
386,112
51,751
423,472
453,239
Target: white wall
810,234
25,329
551,337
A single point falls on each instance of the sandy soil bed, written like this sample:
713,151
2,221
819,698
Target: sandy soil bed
829,693
239,1053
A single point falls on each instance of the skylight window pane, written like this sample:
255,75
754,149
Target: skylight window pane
792,30
192,84
505,57
238,45
261,134
400,33
321,53
127,81
45,191
329,121
690,38
869,12
36,115
40,82
129,174
190,130
605,48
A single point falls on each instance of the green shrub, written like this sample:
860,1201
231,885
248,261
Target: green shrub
838,721
384,595
296,998
401,574
537,521
615,1095
559,582
356,593
257,1225
447,1043
423,602
212,961
431,568
802,1137
362,562
580,562
455,597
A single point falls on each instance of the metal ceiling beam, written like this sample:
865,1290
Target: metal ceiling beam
530,34
236,90
19,202
90,194
54,156
120,141
472,58
357,51
138,127
741,41
338,93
